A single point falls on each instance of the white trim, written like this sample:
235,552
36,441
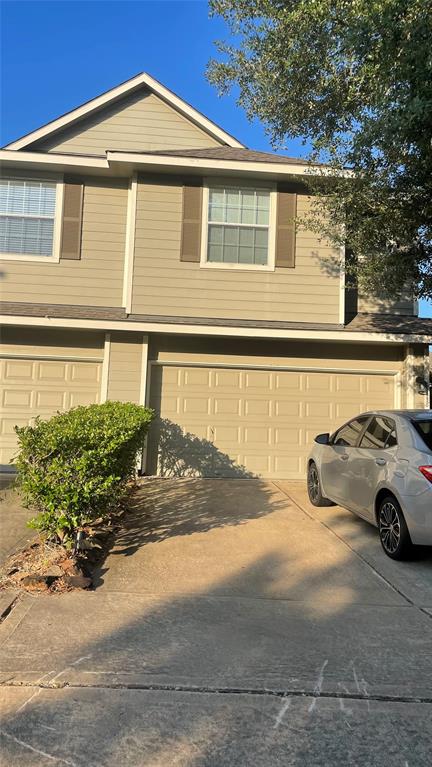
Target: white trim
288,368
130,244
144,367
342,286
115,93
410,378
54,357
270,266
51,158
54,258
105,368
143,397
214,330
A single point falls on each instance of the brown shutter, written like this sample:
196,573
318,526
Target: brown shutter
72,220
191,221
285,228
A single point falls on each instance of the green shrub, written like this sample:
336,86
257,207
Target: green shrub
74,467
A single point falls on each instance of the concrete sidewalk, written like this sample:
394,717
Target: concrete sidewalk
232,625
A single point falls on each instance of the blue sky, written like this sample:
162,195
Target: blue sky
70,52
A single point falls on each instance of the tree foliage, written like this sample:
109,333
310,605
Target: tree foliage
355,78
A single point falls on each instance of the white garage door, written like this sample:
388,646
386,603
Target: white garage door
239,422
30,387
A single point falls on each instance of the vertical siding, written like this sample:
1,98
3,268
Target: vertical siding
97,278
164,285
141,121
124,375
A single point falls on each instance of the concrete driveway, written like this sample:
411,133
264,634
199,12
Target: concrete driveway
232,624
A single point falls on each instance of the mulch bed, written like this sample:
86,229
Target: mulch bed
46,567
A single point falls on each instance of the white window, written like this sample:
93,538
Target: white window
28,221
238,227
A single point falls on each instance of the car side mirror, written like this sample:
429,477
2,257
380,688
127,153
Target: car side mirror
323,439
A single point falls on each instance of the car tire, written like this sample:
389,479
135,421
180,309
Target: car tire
393,531
314,487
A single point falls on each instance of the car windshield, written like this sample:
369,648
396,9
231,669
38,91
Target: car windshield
424,428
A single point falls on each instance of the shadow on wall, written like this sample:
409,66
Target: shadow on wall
175,453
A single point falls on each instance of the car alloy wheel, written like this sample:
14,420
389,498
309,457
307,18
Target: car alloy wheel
313,484
390,527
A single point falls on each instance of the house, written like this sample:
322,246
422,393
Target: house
148,256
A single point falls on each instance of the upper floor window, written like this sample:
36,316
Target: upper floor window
28,218
239,231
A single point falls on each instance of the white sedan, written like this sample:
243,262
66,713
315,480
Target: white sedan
379,466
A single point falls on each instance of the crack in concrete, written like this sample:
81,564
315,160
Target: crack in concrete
196,689
7,611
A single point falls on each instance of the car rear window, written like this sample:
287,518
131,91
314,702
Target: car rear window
424,428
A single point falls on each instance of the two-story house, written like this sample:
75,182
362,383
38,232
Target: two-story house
148,256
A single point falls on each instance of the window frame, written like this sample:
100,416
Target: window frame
270,266
385,446
54,258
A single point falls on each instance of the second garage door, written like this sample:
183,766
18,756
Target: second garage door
31,387
217,421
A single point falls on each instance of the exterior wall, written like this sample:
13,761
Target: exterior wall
97,278
250,352
125,367
415,364
52,343
165,286
139,122
404,305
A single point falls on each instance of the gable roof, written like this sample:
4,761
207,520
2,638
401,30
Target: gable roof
119,91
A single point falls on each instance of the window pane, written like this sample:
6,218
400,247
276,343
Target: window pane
262,217
216,213
31,236
246,237
215,253
216,197
231,235
215,235
233,198
232,215
349,434
263,200
261,238
248,216
377,433
230,254
424,428
261,256
246,255
27,197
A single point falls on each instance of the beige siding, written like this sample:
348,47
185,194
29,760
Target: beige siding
43,372
249,408
124,377
404,305
139,122
52,342
97,278
164,285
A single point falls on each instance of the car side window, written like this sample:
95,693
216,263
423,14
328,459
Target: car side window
380,434
348,435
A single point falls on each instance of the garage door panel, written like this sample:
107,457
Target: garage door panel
240,422
29,388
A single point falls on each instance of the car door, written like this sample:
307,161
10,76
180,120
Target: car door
371,462
336,469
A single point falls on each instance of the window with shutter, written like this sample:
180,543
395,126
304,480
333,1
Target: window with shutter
239,230
29,218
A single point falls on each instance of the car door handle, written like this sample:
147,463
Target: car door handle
380,461
343,457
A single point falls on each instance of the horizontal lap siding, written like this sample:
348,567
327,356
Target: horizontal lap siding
97,278
140,122
52,342
124,377
164,285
